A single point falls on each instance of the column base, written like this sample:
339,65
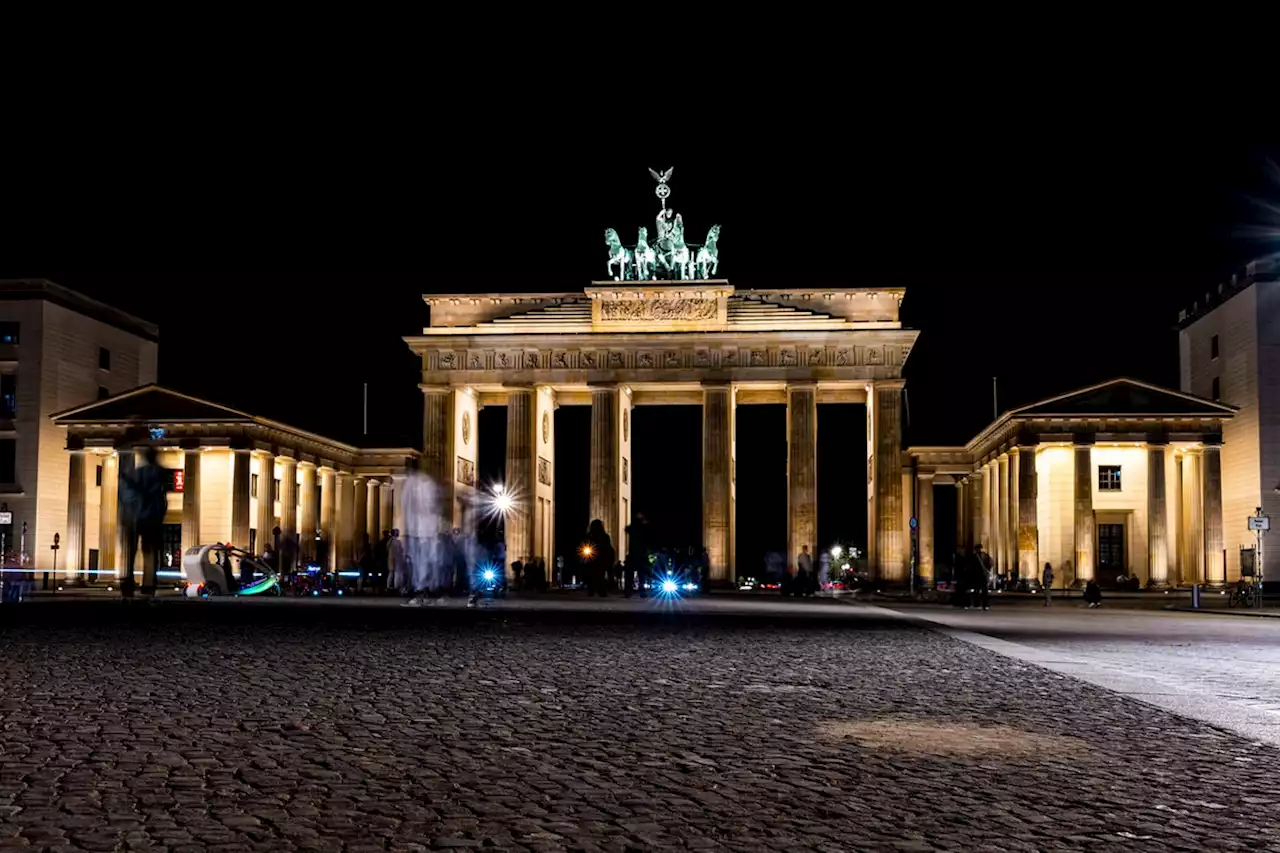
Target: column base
1159,585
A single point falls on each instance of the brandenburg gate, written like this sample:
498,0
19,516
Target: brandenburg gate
633,342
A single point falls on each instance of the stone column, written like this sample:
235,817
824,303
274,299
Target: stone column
717,473
962,513
107,510
605,459
1193,517
1028,507
266,519
192,459
73,547
802,473
288,499
372,504
1215,567
240,498
521,461
1001,554
1157,517
309,520
980,488
126,462
387,497
1011,528
924,527
361,509
346,520
437,447
1084,535
328,515
891,552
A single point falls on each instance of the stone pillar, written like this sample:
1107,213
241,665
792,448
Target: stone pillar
891,551
980,490
717,476
962,513
1215,567
107,510
328,515
1084,530
1193,517
521,482
1157,517
1028,523
924,528
126,462
1011,527
437,446
192,459
802,473
266,519
387,497
361,508
288,499
73,546
240,498
373,522
1002,516
309,516
346,520
605,460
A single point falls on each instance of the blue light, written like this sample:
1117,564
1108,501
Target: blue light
489,575
670,587
339,592
315,592
157,433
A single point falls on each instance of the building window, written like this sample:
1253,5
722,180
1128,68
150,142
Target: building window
103,393
1217,389
1108,478
253,485
275,489
8,333
8,460
1213,347
97,476
104,358
8,395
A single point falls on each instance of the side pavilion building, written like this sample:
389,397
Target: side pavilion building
1121,478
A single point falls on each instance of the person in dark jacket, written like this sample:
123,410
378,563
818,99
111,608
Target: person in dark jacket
600,558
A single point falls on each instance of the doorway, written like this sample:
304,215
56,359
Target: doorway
1111,551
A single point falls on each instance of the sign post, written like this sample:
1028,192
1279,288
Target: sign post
1259,524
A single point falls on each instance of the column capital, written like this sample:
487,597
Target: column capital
302,463
1211,442
1082,440
1157,439
436,389
288,460
803,385
889,384
927,475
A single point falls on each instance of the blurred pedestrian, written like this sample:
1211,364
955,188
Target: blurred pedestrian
1046,581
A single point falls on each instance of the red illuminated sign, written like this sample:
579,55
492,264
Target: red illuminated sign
179,479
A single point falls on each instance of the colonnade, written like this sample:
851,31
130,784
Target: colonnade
313,501
999,506
450,450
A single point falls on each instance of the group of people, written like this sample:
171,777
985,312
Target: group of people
975,577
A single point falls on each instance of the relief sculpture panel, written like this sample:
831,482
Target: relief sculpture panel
642,310
466,473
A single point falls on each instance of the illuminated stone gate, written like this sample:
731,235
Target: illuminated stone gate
620,344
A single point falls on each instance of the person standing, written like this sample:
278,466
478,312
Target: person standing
395,556
979,577
1046,581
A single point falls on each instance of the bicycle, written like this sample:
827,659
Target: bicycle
1246,596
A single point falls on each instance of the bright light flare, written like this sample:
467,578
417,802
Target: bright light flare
489,575
499,501
670,587
587,551
836,551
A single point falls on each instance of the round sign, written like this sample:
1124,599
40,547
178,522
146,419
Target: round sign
662,190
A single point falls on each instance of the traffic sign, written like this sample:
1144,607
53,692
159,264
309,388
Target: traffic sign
6,518
1259,522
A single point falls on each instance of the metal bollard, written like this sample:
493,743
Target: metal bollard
1195,596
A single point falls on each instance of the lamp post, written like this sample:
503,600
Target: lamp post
57,538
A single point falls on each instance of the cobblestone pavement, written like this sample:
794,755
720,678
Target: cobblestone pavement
225,728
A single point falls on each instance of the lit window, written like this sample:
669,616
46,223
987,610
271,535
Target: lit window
253,485
1108,478
1217,389
1213,347
8,333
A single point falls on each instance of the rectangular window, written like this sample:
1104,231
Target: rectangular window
103,393
104,358
8,333
253,485
1108,478
8,395
1213,347
275,489
8,460
97,476
1217,389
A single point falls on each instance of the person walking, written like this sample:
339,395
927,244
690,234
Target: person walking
1046,581
979,577
395,556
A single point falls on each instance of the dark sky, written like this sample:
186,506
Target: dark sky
284,264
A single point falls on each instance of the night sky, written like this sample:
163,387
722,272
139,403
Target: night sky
1051,253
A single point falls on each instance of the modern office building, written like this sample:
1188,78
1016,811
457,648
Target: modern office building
1229,348
58,349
